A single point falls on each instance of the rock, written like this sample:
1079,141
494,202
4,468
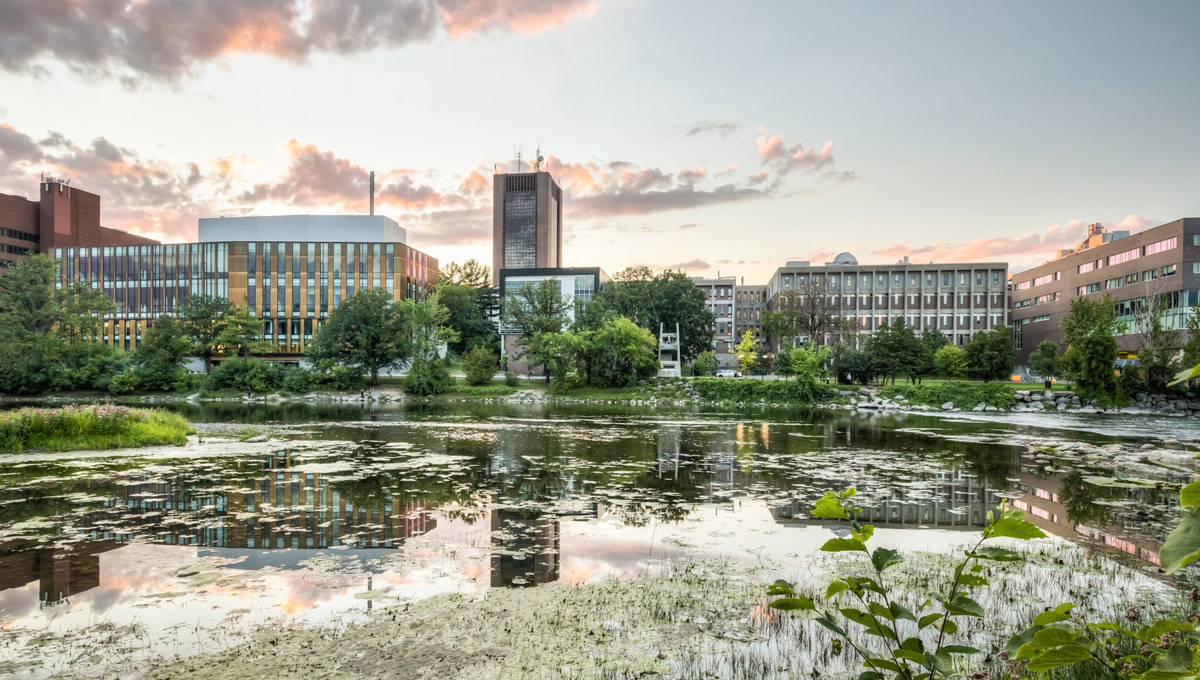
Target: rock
979,407
1037,396
1061,407
948,406
990,408
256,439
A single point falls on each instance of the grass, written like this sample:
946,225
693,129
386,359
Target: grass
495,388
73,428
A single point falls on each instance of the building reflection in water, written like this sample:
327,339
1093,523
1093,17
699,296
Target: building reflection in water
60,573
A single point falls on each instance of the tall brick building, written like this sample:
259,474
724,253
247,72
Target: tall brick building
63,217
1163,261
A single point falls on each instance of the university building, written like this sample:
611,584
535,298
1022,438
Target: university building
64,216
290,271
1162,261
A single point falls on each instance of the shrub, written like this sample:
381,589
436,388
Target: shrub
72,428
705,364
511,379
426,378
480,366
774,391
950,362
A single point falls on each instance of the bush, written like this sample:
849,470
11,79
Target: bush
72,428
511,379
964,395
705,364
773,391
480,366
427,378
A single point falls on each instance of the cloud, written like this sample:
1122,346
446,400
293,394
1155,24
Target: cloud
690,264
720,127
167,40
1023,251
163,198
784,159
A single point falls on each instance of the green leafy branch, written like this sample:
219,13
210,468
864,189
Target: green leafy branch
872,607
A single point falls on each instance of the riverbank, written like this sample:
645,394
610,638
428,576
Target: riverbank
928,396
95,427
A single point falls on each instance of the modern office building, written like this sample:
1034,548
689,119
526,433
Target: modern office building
64,216
291,272
1162,261
957,299
526,222
719,295
749,308
577,285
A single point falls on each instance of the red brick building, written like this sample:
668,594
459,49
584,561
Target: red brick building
64,216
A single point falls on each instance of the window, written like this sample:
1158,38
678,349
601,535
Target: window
1022,304
1042,317
1024,285
1086,267
1113,283
1090,288
1161,246
1042,280
1133,278
929,278
962,278
1196,239
1168,270
979,279
897,279
1150,275
945,278
1126,256
1196,267
996,277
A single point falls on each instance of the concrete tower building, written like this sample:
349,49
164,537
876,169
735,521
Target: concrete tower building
526,222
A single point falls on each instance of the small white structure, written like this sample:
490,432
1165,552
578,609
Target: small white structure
668,353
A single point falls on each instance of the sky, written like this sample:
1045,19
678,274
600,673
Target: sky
714,137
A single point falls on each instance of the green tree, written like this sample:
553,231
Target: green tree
706,364
241,333
366,333
618,354
480,366
850,365
990,354
158,361
466,291
1157,345
1045,361
1191,347
41,326
951,362
809,363
931,341
652,301
894,350
783,363
747,353
428,332
1089,331
536,312
202,318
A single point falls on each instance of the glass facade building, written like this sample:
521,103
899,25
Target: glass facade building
292,286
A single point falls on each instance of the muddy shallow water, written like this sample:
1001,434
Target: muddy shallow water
120,556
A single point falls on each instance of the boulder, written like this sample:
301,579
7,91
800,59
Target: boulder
948,406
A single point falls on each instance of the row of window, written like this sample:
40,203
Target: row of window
1117,282
947,278
19,235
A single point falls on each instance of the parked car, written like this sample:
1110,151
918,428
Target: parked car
728,373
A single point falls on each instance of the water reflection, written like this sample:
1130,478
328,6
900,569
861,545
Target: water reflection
525,478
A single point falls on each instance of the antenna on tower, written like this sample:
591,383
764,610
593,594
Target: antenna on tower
518,159
372,192
537,164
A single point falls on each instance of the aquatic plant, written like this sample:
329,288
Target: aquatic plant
1162,649
905,651
71,428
